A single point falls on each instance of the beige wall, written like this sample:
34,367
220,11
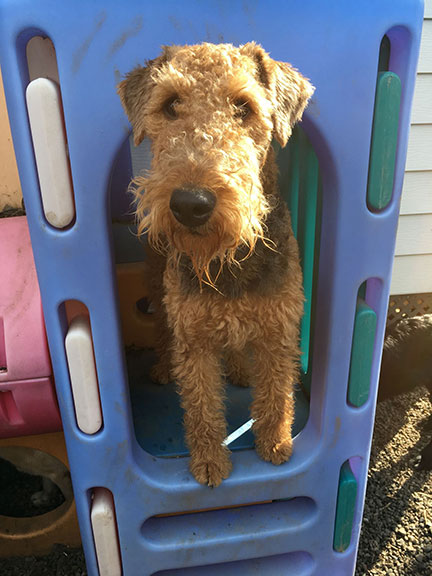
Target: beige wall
10,188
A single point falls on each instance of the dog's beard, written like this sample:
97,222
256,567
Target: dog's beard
218,240
238,220
208,249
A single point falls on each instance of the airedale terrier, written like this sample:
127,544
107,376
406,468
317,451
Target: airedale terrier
226,274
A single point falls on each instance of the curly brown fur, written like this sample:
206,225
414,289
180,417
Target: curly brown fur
232,286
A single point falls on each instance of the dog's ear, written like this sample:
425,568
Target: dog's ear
135,89
290,91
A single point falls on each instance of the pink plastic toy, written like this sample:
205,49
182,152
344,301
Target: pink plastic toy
28,403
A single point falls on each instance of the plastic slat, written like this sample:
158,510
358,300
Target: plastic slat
104,527
50,146
345,508
384,140
308,202
361,354
82,370
299,184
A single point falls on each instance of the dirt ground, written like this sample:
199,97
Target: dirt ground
396,538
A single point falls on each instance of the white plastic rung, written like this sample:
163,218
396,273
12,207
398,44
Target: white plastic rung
83,375
50,146
105,533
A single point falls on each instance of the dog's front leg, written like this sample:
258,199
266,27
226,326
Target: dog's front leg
196,368
275,373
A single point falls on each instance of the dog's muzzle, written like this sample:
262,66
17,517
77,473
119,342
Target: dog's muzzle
192,207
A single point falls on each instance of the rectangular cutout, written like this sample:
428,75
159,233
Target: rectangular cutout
385,128
83,375
345,508
361,351
300,186
157,414
45,109
50,147
384,140
41,59
104,526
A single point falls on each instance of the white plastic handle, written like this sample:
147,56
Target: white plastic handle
82,370
105,533
50,146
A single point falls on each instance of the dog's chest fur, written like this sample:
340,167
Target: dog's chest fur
262,272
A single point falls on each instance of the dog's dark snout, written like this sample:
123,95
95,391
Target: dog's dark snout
192,207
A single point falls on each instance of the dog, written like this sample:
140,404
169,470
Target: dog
225,271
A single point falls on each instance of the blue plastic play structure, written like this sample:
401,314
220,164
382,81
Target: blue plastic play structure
302,518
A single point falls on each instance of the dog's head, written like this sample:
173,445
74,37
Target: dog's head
211,112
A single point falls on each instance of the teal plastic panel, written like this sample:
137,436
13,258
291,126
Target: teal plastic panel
345,508
361,354
384,140
308,201
300,185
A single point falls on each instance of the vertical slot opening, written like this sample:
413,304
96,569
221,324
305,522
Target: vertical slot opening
300,187
47,127
345,508
82,368
362,350
105,533
3,362
385,128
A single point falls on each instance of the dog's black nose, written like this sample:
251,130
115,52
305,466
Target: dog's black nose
192,207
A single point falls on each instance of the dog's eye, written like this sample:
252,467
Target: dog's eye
170,107
242,109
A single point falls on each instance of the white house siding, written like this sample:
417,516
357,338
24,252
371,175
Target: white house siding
412,272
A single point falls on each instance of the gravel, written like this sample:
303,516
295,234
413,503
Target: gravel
396,538
61,562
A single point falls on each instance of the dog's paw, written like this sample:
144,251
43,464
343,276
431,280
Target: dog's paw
160,373
274,452
211,471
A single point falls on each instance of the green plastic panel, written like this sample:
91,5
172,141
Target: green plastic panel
300,185
345,508
384,140
308,201
361,354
